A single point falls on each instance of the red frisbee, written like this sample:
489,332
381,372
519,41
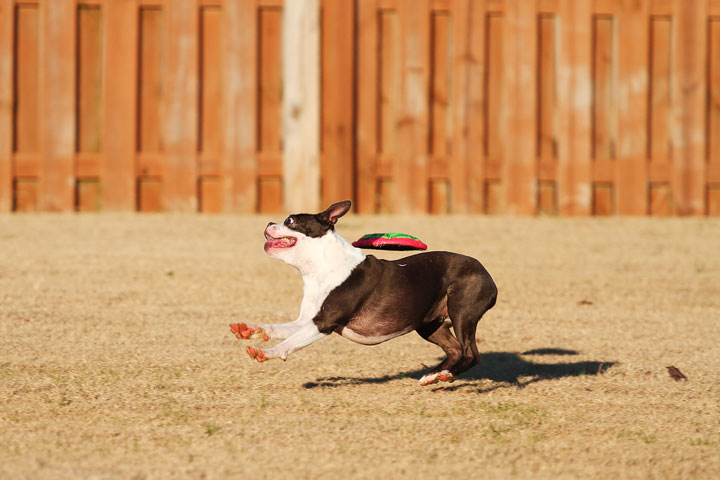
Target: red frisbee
389,241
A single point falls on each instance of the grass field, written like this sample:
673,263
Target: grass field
116,360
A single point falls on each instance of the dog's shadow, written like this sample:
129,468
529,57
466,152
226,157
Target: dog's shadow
506,369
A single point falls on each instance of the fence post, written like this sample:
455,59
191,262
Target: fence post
338,86
180,182
57,66
631,164
120,116
466,174
240,86
366,130
521,86
688,175
6,104
574,175
410,172
301,105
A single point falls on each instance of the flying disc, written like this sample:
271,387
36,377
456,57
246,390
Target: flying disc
389,241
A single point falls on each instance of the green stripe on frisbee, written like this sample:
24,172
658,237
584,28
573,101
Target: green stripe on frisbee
389,241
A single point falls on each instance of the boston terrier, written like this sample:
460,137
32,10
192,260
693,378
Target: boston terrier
369,300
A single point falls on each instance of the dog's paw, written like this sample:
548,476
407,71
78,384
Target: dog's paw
257,354
245,331
430,378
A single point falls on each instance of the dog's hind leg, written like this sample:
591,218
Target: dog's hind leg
438,332
466,305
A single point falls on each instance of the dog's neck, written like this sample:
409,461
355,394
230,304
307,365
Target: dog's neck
331,262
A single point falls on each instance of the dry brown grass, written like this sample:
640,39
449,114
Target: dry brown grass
116,360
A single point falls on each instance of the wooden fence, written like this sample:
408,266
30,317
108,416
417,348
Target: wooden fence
573,107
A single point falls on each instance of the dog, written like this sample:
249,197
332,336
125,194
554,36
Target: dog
440,295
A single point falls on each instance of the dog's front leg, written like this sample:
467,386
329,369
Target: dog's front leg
303,337
281,331
247,331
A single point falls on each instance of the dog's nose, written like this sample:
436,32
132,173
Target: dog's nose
269,223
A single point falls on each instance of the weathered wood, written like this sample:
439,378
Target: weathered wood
713,120
240,27
7,31
692,59
120,127
27,133
89,107
441,117
26,136
520,76
410,171
496,98
659,142
567,106
547,140
181,108
270,140
574,194
604,116
211,165
632,100
338,106
301,105
152,94
367,100
56,182
466,157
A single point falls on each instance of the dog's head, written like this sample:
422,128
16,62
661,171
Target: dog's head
302,236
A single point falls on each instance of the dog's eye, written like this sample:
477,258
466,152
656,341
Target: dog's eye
289,221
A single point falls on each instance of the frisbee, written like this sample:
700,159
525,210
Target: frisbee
389,241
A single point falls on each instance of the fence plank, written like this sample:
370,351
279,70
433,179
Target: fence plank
181,118
338,87
367,104
604,121
496,97
211,165
441,77
152,95
240,88
301,105
520,77
56,180
89,107
574,114
467,156
90,79
120,117
568,106
7,32
631,167
659,145
388,104
410,171
26,136
270,141
547,141
713,120
692,62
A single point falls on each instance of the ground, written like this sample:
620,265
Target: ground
116,360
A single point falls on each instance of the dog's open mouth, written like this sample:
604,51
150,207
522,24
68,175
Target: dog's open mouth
281,242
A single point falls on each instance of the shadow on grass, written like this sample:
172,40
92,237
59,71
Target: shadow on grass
506,369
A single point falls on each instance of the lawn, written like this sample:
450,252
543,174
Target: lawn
116,360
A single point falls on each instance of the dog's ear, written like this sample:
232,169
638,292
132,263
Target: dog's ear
335,211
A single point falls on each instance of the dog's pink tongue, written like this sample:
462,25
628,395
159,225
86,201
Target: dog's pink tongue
279,243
